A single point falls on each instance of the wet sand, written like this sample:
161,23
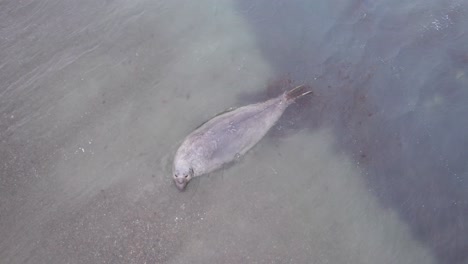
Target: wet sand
96,97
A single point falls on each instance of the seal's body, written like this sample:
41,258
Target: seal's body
227,136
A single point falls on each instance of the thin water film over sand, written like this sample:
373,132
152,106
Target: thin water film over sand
391,83
96,96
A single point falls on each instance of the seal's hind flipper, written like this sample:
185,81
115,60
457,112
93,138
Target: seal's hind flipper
297,92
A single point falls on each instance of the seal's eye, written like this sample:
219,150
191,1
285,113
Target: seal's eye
186,176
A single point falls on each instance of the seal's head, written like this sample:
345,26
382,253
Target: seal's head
182,175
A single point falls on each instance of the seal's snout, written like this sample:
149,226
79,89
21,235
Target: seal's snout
180,183
182,174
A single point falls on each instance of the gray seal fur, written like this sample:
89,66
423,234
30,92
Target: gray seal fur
228,136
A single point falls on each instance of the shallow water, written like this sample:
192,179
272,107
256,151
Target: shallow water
95,97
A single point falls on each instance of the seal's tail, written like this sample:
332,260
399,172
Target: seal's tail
297,92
